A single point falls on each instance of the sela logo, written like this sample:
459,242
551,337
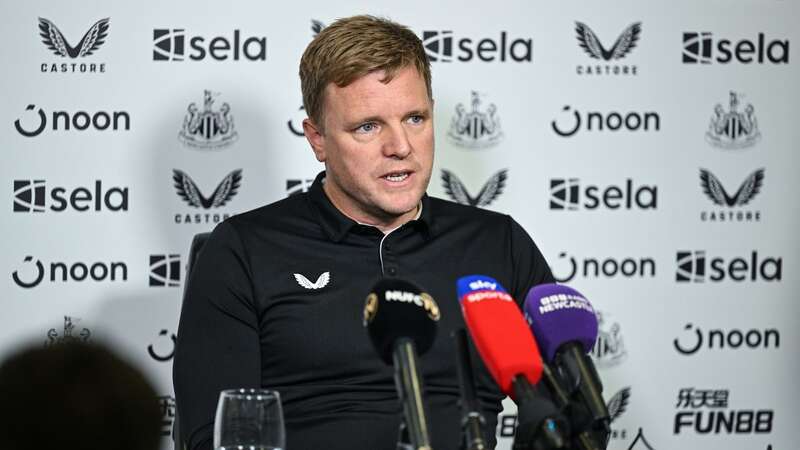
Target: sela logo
321,282
714,190
475,129
298,186
566,193
722,339
700,48
169,44
31,276
166,404
442,46
606,268
165,270
707,412
732,129
69,333
164,350
691,267
31,196
456,190
79,121
58,44
600,122
591,44
297,130
609,349
208,129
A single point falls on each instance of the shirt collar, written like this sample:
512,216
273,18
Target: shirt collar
336,225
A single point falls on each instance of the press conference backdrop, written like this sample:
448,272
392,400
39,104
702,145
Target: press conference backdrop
650,149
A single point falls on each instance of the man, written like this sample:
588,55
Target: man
276,297
76,396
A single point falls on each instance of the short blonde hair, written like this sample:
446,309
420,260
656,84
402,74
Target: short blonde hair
353,47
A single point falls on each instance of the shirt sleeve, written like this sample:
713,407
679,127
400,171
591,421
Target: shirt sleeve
218,339
530,267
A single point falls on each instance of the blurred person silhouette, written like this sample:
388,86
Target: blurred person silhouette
75,395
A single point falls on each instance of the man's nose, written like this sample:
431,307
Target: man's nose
396,143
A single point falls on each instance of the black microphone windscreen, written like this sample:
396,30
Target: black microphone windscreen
397,309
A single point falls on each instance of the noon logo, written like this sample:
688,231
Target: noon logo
704,48
733,129
91,42
297,186
613,121
475,128
32,196
165,270
173,44
34,273
456,190
77,121
569,194
208,129
591,44
610,267
716,192
719,339
295,124
695,267
443,46
188,190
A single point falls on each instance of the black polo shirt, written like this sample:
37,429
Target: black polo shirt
276,298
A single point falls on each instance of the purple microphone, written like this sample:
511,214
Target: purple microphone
558,315
565,326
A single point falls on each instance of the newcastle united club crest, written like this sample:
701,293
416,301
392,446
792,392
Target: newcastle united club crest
208,129
475,128
733,129
70,334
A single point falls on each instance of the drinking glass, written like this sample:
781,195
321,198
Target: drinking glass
249,419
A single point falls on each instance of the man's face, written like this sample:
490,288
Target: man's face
377,146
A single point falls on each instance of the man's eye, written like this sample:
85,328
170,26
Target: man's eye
368,127
416,119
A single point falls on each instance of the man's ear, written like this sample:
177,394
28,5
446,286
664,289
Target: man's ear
315,138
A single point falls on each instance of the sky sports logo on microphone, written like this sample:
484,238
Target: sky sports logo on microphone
696,267
571,195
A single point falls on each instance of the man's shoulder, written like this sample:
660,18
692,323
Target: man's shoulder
452,212
283,213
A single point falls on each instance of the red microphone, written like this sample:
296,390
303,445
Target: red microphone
508,349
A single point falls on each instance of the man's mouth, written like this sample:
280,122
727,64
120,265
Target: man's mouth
396,177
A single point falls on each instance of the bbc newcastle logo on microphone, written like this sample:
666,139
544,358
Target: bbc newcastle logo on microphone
165,270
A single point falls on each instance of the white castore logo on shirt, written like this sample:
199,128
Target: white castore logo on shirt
321,282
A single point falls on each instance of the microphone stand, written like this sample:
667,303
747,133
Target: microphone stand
472,421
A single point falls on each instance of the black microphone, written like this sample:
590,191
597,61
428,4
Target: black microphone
472,421
401,323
